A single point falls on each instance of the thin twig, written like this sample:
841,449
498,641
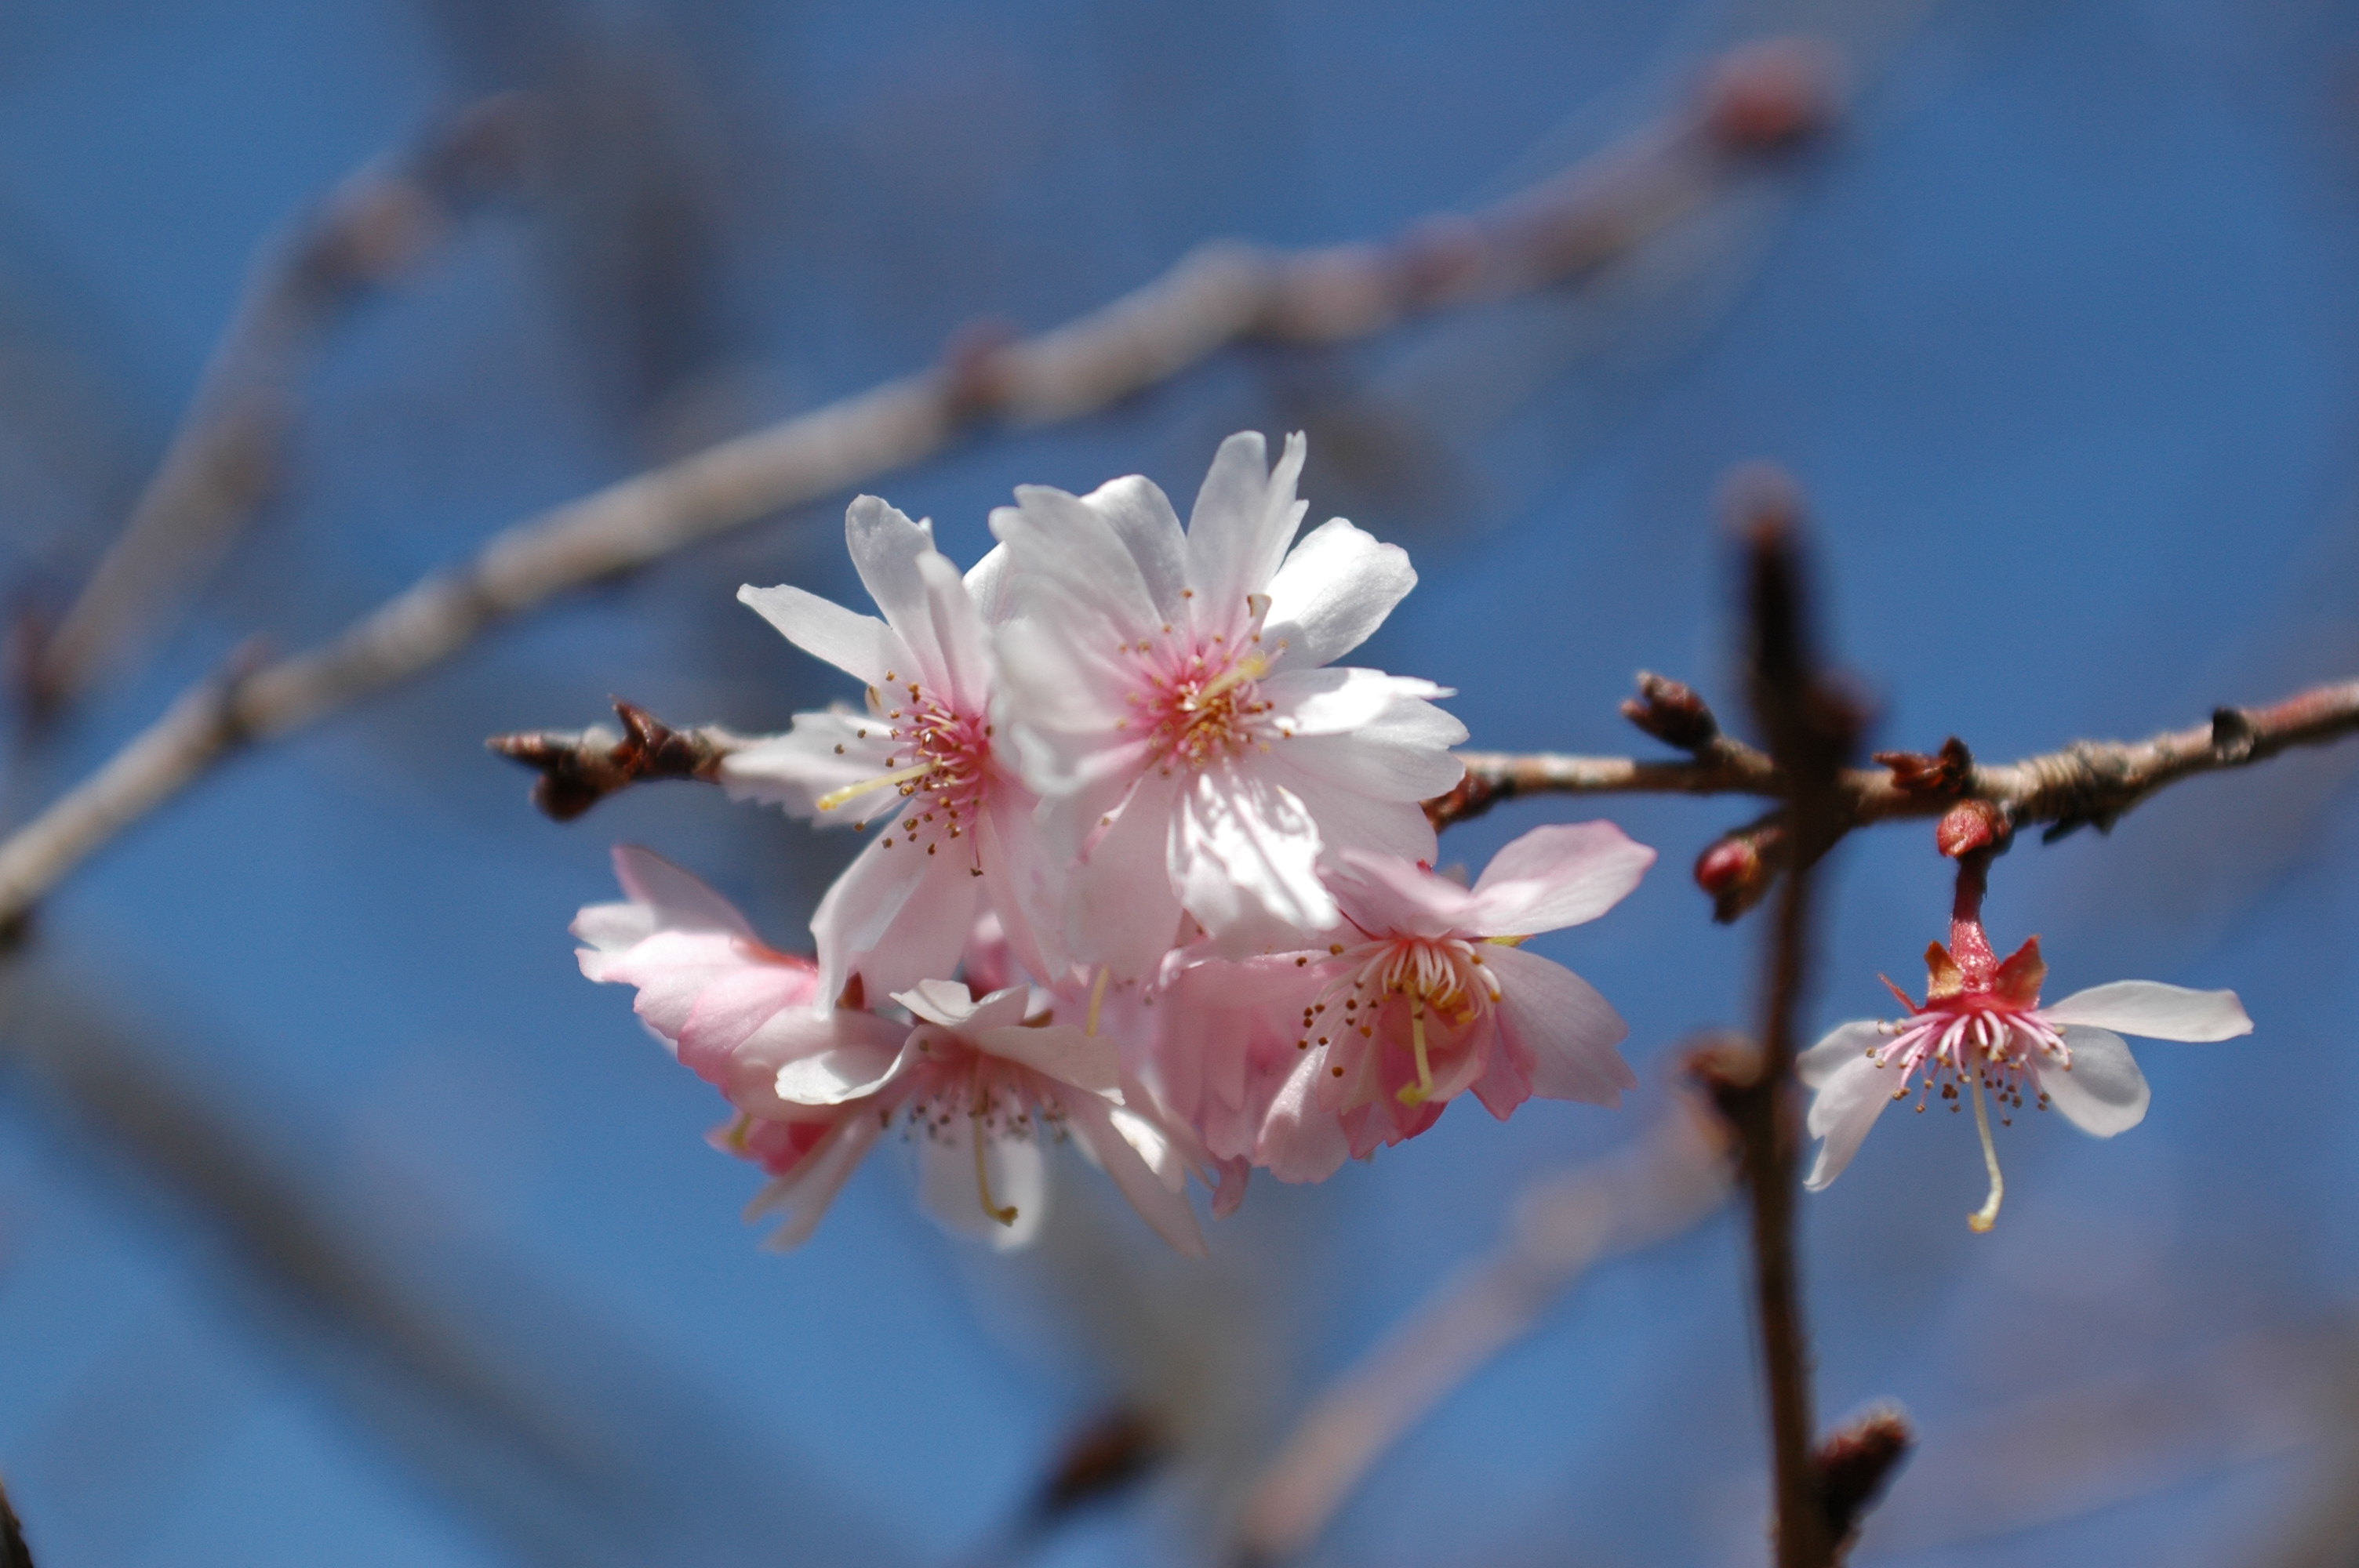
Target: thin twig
1758,100
579,767
1564,1224
224,457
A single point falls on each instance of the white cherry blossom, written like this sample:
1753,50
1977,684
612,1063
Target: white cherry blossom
921,766
1174,699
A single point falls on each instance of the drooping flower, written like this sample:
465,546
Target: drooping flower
979,1088
1295,1059
922,765
738,1012
1982,1028
1172,699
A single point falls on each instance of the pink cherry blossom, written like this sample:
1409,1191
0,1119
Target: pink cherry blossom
1169,693
1982,1026
1298,1060
737,1014
922,765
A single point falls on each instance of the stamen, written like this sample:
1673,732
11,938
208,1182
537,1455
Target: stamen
1418,1092
983,1178
836,797
1982,1219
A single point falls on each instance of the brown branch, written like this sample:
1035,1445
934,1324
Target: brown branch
579,767
1757,101
225,459
2086,783
14,1553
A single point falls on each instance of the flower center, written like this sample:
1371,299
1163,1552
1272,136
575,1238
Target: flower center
1199,706
1953,1041
1438,982
968,1093
940,762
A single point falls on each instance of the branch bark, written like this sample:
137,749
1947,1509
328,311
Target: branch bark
1758,101
225,456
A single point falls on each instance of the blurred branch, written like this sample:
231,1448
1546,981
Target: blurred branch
1757,101
1810,728
566,1442
14,1553
1563,1225
374,227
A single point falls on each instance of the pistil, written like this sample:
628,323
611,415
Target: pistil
1982,1219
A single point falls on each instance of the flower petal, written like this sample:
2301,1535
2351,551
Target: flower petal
1820,1063
1340,700
1567,1029
2154,1009
1244,515
948,1191
860,645
887,548
1059,1051
835,1076
1300,1142
807,1192
1336,588
825,753
2104,1093
1852,1093
680,900
1128,1146
1558,876
1245,855
1123,910
1391,893
896,917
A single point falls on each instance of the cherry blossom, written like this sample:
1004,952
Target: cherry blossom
738,1012
921,763
1171,696
1982,1027
1297,1060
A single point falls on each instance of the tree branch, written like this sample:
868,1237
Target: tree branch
226,455
2086,783
1757,101
579,767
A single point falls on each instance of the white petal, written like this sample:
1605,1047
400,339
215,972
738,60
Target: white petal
2104,1093
1075,566
1063,1052
1401,755
986,585
1243,518
1128,1146
1558,876
953,1006
948,1190
1124,909
957,630
897,917
822,754
1245,855
1850,1098
831,1078
1569,1029
806,1192
1340,700
1346,817
1816,1065
2154,1009
860,645
1336,588
885,549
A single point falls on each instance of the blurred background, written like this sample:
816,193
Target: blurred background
340,1221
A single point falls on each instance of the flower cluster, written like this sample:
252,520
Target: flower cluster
1147,870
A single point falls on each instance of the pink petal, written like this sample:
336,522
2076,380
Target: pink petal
1383,893
681,900
2104,1093
896,917
806,1192
2155,1011
1300,1142
887,548
1566,1028
1127,1145
1123,910
1557,876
